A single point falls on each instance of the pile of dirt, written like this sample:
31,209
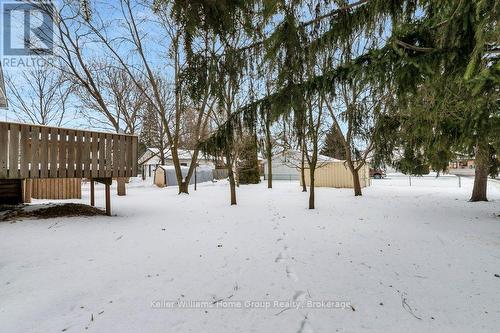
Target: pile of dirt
11,213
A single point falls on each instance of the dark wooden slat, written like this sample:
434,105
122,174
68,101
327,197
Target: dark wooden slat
35,156
116,155
53,152
10,189
25,152
14,151
94,157
71,154
134,156
78,157
128,157
86,156
44,153
122,161
102,155
63,153
109,149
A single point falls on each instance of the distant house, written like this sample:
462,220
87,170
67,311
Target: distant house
465,163
462,166
151,159
3,92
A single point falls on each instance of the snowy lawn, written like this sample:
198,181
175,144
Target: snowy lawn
398,259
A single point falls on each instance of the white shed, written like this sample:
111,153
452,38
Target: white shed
150,159
165,175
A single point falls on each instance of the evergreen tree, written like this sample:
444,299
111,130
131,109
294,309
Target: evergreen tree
248,166
440,65
333,146
150,131
450,104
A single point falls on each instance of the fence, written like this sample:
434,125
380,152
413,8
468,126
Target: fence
220,173
284,176
431,180
32,151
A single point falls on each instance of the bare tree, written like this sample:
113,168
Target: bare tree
355,109
125,103
40,95
314,131
70,54
144,75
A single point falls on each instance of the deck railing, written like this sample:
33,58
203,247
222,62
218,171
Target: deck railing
33,151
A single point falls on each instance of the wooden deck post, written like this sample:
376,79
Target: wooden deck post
26,190
108,199
121,186
92,193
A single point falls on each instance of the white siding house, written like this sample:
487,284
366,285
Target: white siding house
150,159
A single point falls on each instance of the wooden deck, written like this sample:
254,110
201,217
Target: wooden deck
32,151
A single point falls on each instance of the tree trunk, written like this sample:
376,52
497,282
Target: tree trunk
355,182
311,187
184,187
232,185
269,172
482,171
232,182
302,172
269,154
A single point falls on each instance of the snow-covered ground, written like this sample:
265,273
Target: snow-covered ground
398,259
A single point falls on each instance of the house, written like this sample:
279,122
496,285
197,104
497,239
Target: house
462,166
464,163
151,158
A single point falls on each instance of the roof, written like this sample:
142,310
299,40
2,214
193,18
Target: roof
152,155
3,93
198,168
183,154
296,155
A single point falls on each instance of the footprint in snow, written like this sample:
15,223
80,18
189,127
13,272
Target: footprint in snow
178,326
291,274
305,326
281,257
300,296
